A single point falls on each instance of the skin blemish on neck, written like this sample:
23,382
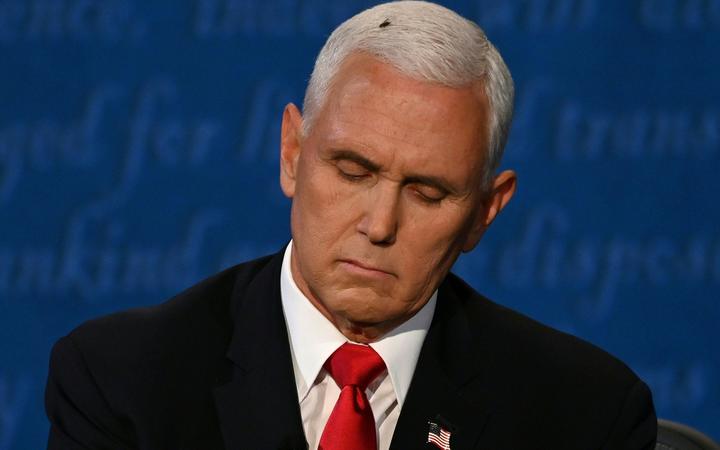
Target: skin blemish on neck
385,23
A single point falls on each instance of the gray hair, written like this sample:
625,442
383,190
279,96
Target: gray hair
427,42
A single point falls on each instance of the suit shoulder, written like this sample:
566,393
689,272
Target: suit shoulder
530,345
194,323
131,371
544,384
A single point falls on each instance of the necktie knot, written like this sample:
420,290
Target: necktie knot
351,425
354,365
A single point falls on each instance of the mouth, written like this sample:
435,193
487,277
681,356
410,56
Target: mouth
364,269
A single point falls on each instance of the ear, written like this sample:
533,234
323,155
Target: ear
500,194
290,143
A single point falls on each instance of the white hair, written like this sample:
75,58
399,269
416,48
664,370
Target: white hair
427,42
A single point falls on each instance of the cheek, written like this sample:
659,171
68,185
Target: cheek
324,207
433,240
438,228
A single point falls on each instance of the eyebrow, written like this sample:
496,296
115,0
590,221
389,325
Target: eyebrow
428,180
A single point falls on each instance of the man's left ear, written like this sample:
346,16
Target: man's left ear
502,190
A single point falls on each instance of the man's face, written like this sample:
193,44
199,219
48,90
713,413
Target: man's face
385,193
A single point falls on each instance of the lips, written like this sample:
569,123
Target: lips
362,267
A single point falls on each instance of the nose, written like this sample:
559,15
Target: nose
380,219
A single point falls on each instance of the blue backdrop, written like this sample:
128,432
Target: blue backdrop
139,153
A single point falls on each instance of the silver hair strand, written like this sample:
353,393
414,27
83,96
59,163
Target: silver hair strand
427,42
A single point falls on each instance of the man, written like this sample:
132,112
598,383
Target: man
356,336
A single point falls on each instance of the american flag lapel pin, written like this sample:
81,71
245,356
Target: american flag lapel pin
438,436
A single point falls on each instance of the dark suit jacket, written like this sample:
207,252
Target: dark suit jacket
211,369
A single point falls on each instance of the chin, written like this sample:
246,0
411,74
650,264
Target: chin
371,317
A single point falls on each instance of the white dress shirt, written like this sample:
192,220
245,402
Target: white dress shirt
313,338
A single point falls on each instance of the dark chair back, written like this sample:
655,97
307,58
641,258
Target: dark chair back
676,436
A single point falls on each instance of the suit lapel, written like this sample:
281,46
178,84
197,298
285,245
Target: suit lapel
258,408
445,387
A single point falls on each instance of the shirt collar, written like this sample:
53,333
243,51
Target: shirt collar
313,338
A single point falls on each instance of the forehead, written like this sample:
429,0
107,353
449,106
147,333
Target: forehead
373,107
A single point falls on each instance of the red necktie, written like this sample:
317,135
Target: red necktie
351,425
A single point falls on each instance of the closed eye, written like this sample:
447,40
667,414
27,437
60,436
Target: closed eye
429,194
351,170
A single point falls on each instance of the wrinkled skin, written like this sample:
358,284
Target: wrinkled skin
386,192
